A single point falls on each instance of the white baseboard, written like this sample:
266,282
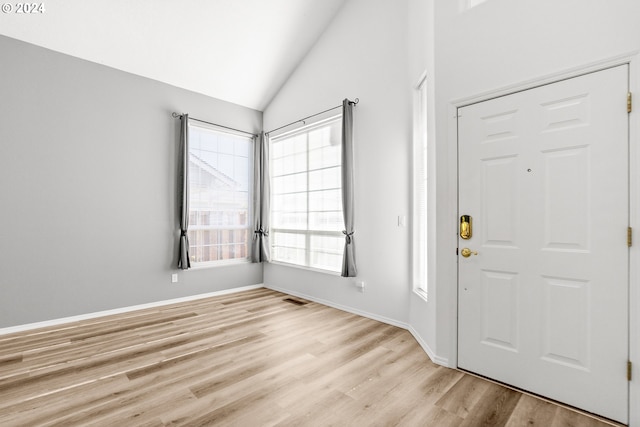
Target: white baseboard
61,321
443,361
382,319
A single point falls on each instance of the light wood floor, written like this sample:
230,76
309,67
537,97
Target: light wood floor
247,359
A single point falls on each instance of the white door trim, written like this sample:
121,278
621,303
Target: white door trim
633,60
634,261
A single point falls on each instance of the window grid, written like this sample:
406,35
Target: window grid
315,241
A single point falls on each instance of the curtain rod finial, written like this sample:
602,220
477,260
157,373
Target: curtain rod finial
176,115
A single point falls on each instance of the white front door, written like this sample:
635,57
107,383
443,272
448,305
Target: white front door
543,306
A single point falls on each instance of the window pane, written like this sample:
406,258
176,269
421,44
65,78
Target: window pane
326,252
290,164
329,221
277,166
296,202
289,247
220,244
241,173
327,200
289,220
219,182
289,183
277,151
326,136
291,240
420,236
289,255
324,157
325,178
292,145
241,148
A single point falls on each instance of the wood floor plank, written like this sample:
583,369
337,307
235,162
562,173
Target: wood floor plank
391,372
532,412
494,408
433,416
569,418
37,411
218,405
324,407
409,400
463,396
247,359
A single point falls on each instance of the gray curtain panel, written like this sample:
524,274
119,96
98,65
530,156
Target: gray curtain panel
183,260
260,250
349,258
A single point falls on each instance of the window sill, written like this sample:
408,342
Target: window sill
303,267
214,264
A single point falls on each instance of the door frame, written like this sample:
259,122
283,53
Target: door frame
633,61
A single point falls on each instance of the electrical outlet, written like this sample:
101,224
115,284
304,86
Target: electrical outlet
174,278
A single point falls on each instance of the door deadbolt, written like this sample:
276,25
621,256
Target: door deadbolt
465,227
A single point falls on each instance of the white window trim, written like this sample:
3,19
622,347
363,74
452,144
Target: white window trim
219,263
421,249
305,267
305,125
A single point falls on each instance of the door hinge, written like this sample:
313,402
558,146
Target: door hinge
629,370
629,236
629,102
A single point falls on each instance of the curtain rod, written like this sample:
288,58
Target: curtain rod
355,102
176,115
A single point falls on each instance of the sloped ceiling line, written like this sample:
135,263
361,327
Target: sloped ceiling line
240,51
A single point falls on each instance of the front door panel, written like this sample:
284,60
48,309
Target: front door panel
543,305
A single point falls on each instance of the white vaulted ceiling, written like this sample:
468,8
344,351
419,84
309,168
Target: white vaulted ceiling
240,51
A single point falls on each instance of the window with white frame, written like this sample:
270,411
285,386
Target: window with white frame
219,195
420,190
306,196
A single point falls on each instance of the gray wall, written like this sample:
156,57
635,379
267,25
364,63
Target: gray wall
88,187
364,54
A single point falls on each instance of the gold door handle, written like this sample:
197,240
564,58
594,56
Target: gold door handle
466,252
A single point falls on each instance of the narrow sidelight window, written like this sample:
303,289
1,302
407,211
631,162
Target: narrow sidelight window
420,191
